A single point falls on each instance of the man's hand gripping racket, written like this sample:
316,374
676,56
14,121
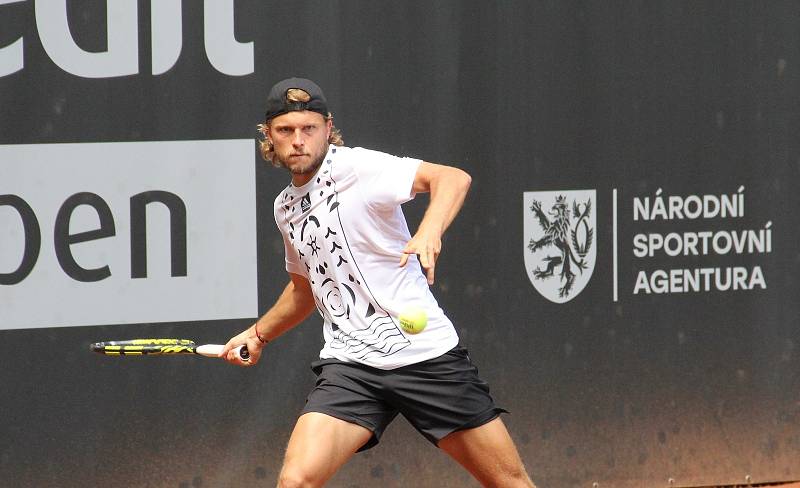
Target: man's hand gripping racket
247,340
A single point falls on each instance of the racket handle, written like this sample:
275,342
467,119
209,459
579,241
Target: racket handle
213,350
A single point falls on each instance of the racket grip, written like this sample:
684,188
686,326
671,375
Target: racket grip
244,354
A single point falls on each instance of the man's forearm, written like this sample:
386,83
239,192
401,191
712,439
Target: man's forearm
448,189
292,307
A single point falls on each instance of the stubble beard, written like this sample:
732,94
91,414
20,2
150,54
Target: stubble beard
309,169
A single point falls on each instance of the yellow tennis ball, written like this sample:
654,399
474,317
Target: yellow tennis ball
413,320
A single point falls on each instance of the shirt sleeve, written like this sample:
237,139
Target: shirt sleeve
293,263
385,180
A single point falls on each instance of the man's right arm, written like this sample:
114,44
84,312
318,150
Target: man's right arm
292,307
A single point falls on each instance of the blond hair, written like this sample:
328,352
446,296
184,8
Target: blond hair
265,145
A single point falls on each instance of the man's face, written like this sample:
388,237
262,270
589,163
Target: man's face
300,142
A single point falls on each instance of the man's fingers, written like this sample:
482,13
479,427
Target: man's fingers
231,356
425,256
234,358
431,266
224,352
254,349
427,259
230,353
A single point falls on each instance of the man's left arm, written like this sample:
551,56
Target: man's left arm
448,187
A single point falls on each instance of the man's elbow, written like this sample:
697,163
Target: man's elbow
464,179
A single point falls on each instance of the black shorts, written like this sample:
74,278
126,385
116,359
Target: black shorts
438,396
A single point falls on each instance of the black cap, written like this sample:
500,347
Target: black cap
278,104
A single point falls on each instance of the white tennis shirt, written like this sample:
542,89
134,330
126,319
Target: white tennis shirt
345,231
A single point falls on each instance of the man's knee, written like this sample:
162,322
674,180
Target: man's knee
513,476
293,477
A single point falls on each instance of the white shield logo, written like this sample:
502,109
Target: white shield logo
560,247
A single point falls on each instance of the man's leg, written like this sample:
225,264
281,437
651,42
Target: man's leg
319,446
489,454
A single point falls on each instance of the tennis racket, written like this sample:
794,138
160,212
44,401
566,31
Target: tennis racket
162,347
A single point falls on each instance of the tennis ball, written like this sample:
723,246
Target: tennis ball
413,320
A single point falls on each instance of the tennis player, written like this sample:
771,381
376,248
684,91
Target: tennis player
350,256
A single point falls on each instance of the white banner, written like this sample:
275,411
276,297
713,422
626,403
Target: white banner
71,254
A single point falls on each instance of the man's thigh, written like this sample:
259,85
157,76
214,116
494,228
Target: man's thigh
488,452
319,446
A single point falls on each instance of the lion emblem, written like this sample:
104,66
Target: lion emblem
565,248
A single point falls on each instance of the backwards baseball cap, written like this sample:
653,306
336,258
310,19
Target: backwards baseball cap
311,98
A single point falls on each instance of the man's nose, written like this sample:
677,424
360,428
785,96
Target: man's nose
297,138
